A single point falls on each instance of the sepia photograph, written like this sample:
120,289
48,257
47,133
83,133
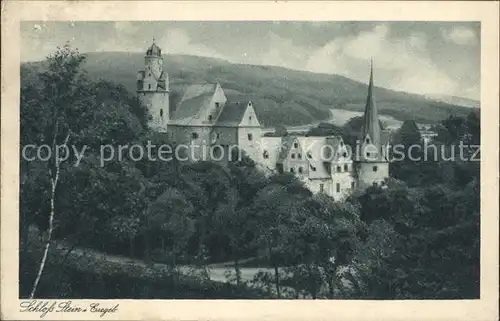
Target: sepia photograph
247,160
254,160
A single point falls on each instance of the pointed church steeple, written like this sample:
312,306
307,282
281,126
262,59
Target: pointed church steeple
371,126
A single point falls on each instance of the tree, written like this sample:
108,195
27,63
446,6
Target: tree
170,217
325,129
60,87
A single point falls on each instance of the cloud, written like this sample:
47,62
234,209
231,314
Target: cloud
400,63
178,41
460,36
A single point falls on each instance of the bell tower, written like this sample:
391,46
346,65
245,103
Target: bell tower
153,88
372,165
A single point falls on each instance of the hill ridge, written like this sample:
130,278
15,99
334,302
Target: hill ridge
280,95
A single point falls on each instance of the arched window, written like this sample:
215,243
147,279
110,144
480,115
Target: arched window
265,154
367,140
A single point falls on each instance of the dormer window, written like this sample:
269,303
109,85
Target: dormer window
296,145
266,154
250,118
209,117
367,140
217,104
309,155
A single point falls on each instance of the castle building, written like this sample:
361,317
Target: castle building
204,118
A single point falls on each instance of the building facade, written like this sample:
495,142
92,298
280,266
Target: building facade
214,127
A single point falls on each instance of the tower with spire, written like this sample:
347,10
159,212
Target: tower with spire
372,164
153,88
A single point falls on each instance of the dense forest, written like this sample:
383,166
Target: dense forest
152,229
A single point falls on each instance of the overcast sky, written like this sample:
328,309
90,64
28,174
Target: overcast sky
418,57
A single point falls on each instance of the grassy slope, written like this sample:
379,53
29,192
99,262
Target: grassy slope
281,96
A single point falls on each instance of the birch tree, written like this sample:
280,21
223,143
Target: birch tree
60,86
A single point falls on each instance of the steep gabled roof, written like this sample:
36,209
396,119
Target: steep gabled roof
286,145
198,90
195,98
232,113
311,146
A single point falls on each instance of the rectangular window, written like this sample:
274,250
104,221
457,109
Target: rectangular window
217,105
352,185
295,145
338,187
321,188
339,169
293,156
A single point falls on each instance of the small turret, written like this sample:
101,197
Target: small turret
154,50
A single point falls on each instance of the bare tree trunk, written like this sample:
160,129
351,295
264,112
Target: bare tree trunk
54,179
277,281
237,269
